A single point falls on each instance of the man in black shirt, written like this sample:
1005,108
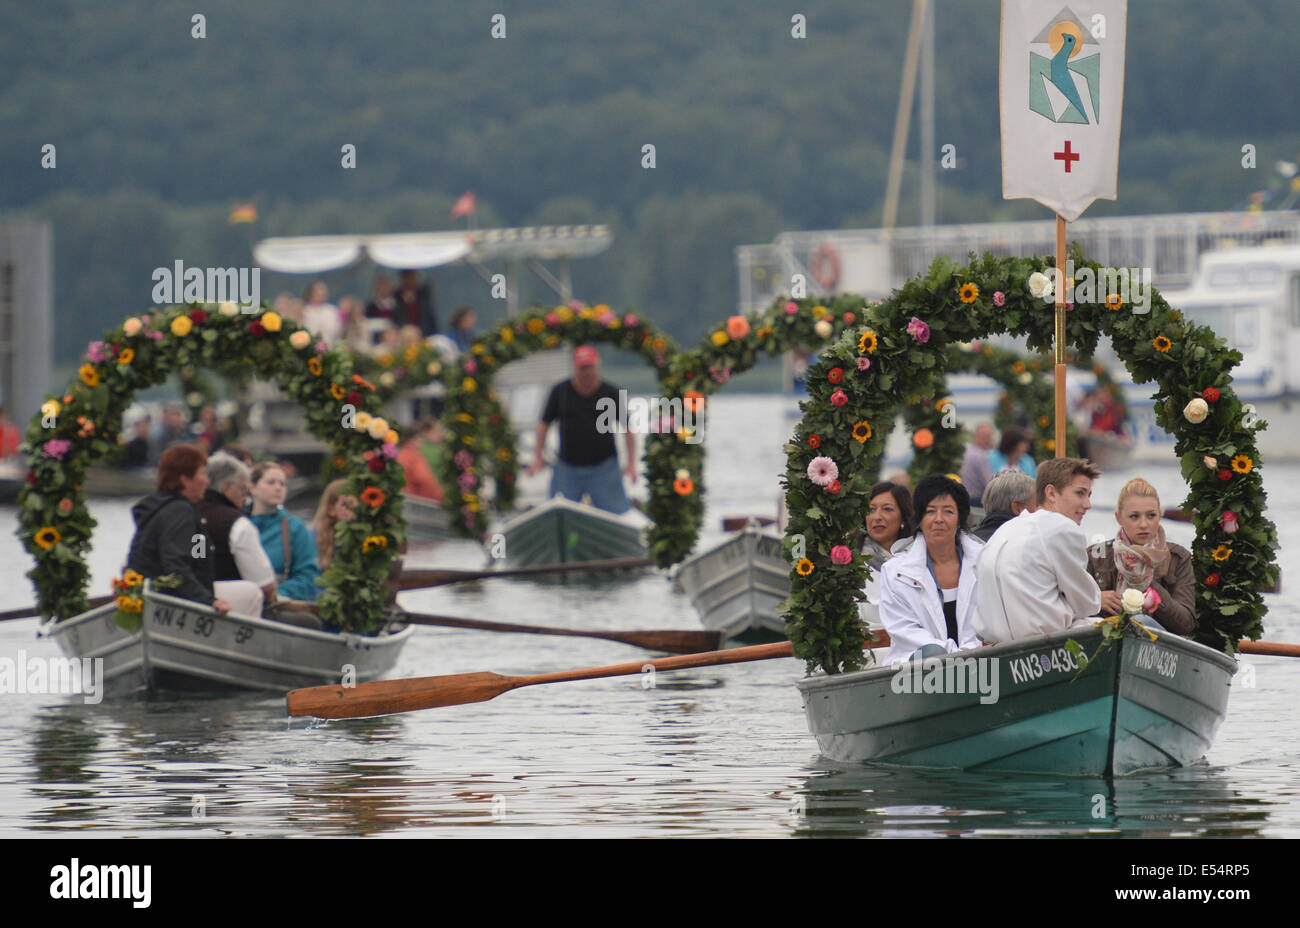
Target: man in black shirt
588,461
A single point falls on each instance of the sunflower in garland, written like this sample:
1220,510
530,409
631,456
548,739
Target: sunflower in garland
862,431
867,342
969,293
1162,344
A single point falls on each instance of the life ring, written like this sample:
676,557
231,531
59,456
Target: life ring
825,266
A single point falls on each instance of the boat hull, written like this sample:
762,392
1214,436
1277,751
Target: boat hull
427,522
185,645
1139,705
561,531
737,587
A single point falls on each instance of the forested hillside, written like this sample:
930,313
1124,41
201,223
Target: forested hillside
158,134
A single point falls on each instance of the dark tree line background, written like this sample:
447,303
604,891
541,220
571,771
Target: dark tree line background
159,134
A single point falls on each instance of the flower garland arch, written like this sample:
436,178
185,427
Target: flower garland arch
674,466
76,430
938,445
479,438
826,480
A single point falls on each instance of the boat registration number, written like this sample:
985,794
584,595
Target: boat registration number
1034,666
176,618
1163,662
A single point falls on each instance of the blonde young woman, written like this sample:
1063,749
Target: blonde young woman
1139,557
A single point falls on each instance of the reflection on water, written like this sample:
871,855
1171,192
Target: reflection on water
878,801
713,751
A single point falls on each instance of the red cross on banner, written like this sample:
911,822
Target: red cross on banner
1067,156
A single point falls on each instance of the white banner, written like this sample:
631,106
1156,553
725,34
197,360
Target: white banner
1061,85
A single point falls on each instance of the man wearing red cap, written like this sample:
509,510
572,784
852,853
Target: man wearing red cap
588,461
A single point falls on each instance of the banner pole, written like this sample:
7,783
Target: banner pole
1062,283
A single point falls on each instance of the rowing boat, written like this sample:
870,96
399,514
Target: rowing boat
560,531
738,585
427,521
1024,706
183,645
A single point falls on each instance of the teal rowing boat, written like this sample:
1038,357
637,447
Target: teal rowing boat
561,531
1025,707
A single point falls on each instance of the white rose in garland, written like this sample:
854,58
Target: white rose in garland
1040,285
1196,411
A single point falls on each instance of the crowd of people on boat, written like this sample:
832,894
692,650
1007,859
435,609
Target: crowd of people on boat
397,314
218,526
1026,569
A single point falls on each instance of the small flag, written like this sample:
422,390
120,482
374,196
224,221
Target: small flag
1062,94
464,206
245,212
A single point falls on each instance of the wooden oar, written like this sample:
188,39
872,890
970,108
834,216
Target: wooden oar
1273,648
385,697
30,612
419,579
672,641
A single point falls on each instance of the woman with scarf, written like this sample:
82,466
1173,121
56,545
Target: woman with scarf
1139,558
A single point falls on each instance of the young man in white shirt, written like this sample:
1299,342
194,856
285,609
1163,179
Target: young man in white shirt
1033,574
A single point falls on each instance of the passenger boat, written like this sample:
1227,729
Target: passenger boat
560,531
1024,706
738,585
183,645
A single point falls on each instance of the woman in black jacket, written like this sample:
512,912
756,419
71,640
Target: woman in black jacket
169,538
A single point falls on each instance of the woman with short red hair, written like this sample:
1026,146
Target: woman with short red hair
168,532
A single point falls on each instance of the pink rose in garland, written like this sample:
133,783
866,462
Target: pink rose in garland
791,308
863,363
999,298
471,366
839,398
840,554
822,470
1228,522
918,330
57,447
95,352
463,459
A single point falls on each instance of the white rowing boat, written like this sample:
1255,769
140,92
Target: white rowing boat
183,645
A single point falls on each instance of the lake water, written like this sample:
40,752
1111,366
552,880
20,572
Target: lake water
721,751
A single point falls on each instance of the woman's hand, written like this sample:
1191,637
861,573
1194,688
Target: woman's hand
221,606
1112,603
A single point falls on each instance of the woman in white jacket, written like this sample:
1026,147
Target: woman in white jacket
927,594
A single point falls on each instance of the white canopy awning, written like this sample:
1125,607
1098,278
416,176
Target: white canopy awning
313,254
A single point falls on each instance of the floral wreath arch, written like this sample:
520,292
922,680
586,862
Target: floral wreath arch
826,480
478,432
938,445
74,431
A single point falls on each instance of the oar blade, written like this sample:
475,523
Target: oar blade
387,697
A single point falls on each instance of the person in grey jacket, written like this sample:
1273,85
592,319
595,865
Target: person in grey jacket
1006,496
169,538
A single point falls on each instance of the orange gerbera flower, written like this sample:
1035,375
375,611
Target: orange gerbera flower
684,487
1114,301
373,497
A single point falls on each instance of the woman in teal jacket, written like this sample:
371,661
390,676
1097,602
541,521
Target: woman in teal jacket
295,562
